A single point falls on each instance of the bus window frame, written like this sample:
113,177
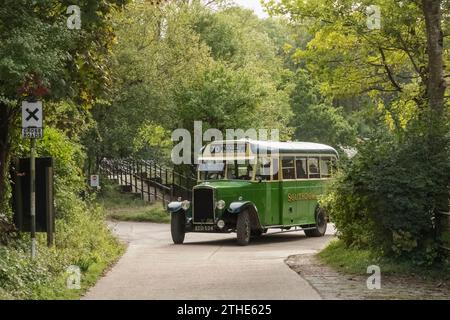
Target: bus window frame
329,160
282,168
296,174
318,167
332,157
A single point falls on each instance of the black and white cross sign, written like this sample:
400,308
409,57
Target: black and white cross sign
32,116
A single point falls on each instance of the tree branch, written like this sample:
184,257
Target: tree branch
389,72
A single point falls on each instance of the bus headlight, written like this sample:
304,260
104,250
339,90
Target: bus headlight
220,204
185,205
221,224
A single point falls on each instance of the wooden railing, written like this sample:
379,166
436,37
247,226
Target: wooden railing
154,182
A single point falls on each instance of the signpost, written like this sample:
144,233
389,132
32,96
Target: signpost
32,119
95,181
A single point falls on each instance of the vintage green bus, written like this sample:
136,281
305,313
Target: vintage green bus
248,187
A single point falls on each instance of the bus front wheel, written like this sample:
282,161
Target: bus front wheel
177,227
243,228
321,225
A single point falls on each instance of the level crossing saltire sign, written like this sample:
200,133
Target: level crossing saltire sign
32,119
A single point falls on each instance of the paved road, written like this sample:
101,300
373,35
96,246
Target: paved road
207,266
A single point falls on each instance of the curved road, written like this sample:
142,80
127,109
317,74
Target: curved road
207,266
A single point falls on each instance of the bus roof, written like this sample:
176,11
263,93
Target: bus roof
292,147
276,147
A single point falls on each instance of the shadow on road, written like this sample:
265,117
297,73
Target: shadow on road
263,240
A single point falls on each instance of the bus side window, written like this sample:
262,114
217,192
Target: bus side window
275,168
263,169
313,168
302,172
325,167
288,168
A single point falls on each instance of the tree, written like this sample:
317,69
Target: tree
390,64
217,66
386,198
41,58
315,119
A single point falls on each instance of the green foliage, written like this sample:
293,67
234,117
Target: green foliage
220,67
153,138
155,213
355,260
385,198
82,238
315,119
127,207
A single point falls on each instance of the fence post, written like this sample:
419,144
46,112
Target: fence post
148,182
155,181
142,180
130,173
125,169
121,171
135,174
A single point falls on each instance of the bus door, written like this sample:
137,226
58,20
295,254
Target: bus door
303,190
268,190
288,189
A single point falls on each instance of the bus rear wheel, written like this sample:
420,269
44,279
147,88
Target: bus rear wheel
178,227
243,228
321,225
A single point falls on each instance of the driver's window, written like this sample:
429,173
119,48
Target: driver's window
263,169
240,171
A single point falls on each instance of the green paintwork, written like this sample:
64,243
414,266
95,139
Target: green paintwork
270,199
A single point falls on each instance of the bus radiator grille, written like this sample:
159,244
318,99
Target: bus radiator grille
203,206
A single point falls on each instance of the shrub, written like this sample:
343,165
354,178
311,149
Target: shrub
385,198
81,238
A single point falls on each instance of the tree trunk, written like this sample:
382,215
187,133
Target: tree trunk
435,82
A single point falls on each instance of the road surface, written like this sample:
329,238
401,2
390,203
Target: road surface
207,266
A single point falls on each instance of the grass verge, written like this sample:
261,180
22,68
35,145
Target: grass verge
82,241
355,261
129,207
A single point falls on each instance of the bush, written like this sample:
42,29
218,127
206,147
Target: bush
385,198
81,238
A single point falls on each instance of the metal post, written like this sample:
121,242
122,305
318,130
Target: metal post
33,197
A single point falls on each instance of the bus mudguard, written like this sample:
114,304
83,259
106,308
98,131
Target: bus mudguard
174,207
239,206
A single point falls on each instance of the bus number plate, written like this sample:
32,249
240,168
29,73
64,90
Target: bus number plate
204,228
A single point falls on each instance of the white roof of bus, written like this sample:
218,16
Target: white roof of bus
286,147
